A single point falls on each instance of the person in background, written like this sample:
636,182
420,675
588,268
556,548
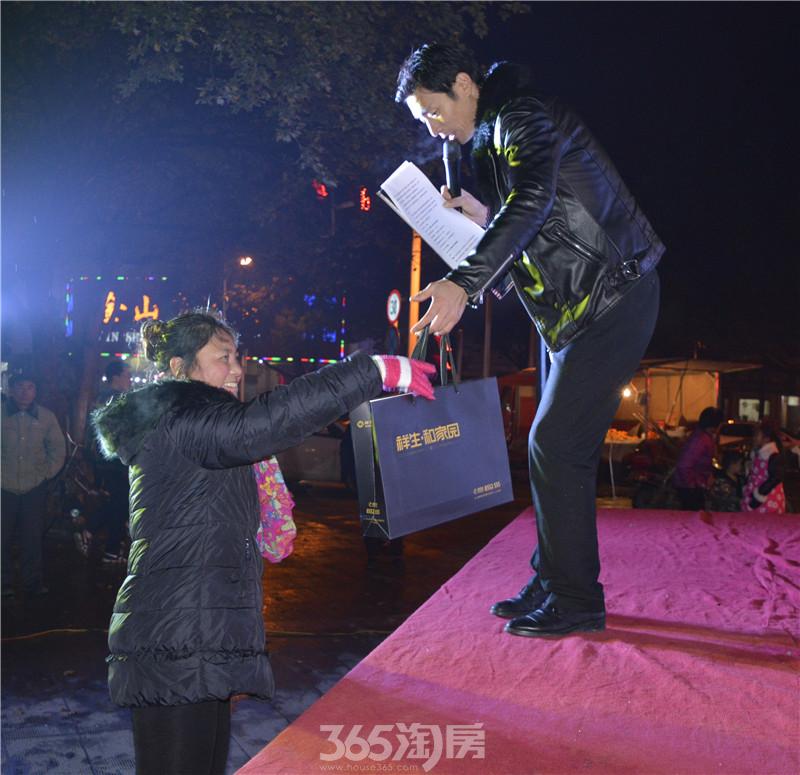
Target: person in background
33,452
763,492
725,493
111,476
695,461
117,380
187,631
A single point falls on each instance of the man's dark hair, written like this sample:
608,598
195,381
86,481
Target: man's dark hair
434,66
18,377
114,369
729,457
710,417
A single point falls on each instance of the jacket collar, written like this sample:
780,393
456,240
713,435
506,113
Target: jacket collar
12,408
768,450
123,424
503,82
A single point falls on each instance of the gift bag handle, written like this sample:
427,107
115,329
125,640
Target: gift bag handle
420,353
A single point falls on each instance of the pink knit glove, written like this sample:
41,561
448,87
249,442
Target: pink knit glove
405,375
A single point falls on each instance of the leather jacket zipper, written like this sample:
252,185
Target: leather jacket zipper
496,181
505,264
574,244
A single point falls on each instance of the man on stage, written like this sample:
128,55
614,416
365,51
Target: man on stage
562,225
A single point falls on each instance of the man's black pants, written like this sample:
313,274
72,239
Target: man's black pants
581,396
23,524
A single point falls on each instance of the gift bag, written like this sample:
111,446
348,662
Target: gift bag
420,463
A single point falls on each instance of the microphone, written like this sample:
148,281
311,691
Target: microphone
451,157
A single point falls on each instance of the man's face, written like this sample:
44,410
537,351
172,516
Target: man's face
122,381
445,116
24,393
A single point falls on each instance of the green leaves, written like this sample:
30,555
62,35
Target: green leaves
320,75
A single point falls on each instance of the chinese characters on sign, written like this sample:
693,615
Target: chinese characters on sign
111,309
410,742
427,437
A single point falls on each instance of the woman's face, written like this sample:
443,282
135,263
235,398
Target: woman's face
217,364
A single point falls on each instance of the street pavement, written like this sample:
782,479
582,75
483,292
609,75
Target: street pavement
325,608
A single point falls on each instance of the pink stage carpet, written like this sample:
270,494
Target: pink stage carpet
696,673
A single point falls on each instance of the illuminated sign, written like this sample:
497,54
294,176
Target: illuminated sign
114,307
110,309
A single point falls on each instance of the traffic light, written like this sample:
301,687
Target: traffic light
320,188
364,200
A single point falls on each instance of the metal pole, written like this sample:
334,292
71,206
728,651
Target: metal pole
416,273
532,337
460,357
487,333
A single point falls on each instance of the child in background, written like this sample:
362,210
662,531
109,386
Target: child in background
763,492
725,493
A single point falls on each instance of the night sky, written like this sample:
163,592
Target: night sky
695,103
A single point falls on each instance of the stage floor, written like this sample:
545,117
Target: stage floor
697,671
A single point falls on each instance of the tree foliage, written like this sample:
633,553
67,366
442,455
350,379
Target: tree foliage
320,75
177,135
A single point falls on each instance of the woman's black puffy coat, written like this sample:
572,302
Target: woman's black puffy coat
187,624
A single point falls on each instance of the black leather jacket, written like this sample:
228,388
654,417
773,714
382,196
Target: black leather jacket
563,224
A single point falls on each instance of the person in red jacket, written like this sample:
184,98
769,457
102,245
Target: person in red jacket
695,462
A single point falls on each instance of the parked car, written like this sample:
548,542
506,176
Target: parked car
325,458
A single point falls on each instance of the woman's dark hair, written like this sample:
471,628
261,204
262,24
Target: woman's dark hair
434,67
181,337
710,417
769,431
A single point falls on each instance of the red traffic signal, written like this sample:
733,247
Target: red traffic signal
320,188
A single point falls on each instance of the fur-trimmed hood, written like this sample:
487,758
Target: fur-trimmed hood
766,451
122,425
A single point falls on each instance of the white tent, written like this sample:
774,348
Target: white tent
674,391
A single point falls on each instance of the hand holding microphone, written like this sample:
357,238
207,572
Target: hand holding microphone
452,193
468,204
451,158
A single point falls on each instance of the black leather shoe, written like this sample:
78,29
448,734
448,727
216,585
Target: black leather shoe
530,597
549,621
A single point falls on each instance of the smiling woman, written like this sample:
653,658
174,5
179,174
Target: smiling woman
187,631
